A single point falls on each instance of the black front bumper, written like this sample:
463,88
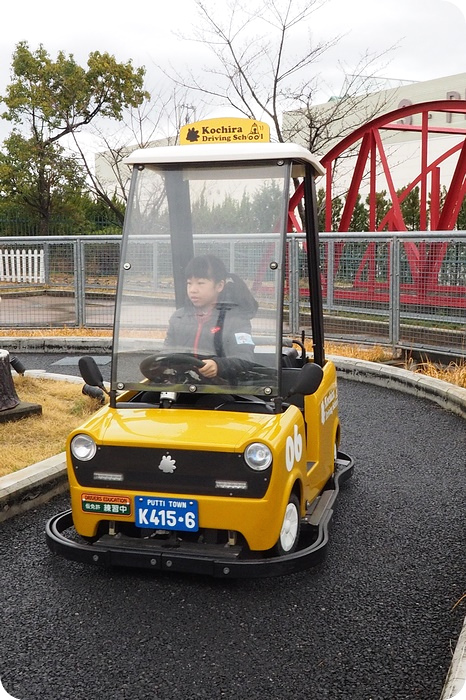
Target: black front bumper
213,561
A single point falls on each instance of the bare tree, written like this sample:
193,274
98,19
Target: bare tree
256,70
267,64
320,127
145,125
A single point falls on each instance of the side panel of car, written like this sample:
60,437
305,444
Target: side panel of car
322,424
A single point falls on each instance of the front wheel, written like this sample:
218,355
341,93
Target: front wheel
291,526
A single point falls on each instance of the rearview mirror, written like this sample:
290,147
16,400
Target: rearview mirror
90,372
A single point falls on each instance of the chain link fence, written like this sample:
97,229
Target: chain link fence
403,290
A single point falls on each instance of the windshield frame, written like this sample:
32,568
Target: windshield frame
271,344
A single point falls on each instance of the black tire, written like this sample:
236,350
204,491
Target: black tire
291,526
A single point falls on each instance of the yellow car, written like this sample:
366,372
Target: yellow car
218,449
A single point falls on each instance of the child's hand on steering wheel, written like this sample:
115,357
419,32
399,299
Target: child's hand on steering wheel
209,369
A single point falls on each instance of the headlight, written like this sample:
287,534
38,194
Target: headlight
258,456
83,447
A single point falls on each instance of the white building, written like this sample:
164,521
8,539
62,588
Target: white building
403,148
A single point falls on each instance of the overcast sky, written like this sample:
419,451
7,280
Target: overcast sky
430,34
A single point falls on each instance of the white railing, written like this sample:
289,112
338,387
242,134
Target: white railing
22,265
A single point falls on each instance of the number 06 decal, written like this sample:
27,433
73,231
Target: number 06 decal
293,448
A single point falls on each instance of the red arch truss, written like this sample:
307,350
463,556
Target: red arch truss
371,160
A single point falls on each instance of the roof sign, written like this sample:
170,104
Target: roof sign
225,130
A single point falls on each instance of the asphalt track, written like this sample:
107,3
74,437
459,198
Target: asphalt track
373,622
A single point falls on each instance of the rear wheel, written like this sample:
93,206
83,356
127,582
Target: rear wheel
291,525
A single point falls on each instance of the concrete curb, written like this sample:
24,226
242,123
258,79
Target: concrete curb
456,678
57,344
40,482
29,487
449,396
20,490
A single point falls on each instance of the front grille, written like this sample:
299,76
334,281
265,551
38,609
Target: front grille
195,472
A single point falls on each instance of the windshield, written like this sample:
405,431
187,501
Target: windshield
200,291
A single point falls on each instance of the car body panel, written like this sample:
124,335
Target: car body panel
175,432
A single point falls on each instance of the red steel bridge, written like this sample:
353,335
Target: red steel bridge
438,211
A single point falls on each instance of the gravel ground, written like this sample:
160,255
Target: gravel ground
373,622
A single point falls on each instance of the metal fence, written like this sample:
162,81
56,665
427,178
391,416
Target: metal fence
403,290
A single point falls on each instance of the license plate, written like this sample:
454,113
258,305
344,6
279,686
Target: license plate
161,513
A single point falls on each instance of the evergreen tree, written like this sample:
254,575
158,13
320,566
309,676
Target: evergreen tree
47,101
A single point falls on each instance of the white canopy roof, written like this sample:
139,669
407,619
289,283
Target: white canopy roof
224,152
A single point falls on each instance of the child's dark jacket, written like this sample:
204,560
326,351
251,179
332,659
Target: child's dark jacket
223,334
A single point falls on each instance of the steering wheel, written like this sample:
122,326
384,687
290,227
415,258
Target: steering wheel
170,368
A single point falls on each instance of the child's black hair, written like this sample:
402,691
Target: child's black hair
207,267
235,295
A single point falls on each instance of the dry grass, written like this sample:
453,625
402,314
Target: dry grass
33,439
56,332
453,373
64,407
374,353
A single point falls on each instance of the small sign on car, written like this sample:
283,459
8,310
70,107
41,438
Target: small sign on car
225,130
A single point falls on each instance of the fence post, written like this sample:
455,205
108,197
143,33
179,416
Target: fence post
394,294
293,295
155,265
46,249
232,248
330,273
79,283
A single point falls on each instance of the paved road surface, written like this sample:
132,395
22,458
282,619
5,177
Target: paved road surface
373,622
60,363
